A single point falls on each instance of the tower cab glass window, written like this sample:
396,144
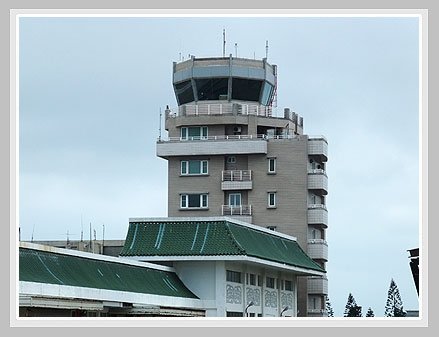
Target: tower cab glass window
194,133
216,89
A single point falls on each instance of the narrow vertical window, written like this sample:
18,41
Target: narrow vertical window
204,132
183,133
271,199
184,167
203,200
183,201
271,165
204,167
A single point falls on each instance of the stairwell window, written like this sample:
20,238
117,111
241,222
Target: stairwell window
194,167
271,199
271,165
188,201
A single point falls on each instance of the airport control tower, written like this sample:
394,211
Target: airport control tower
230,153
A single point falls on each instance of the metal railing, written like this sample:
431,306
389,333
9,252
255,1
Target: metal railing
220,109
316,171
316,206
237,175
318,241
236,210
226,137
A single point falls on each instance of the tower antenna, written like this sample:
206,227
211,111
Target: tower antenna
160,124
266,49
82,230
224,43
33,230
236,50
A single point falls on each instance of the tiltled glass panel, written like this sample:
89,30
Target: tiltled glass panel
246,90
184,92
212,88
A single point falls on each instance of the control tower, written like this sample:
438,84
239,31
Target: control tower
231,153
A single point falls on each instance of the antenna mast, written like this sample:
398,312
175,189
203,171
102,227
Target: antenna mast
224,43
160,125
82,229
266,49
236,50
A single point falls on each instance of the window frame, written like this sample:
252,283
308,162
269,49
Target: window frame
271,205
290,283
272,160
204,201
232,275
266,282
204,132
187,164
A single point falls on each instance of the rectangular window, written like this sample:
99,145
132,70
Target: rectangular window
231,160
194,201
235,199
259,280
183,167
271,165
271,199
183,201
234,314
204,168
252,279
183,133
194,132
204,200
233,276
269,282
288,285
195,167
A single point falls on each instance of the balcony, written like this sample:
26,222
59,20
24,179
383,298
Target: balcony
242,213
318,146
236,180
317,285
318,249
318,215
318,180
212,145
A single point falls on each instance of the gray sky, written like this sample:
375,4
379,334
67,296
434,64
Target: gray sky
90,93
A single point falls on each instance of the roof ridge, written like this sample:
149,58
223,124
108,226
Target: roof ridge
234,241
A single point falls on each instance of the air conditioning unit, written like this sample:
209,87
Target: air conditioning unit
237,129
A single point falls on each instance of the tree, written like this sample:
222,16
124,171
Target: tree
352,309
370,313
329,310
394,306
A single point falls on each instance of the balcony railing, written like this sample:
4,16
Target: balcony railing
317,206
317,311
237,210
220,109
226,137
237,175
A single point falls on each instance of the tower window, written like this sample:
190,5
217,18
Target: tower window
184,92
193,200
271,165
194,167
194,133
272,199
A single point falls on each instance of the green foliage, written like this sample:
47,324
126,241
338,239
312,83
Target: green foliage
370,313
352,309
329,310
394,306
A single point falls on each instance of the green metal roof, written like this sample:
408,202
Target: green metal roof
47,267
207,238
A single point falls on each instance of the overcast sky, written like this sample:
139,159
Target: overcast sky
90,93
